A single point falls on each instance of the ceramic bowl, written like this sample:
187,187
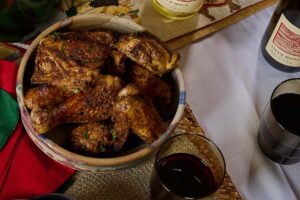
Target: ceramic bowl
53,196
51,144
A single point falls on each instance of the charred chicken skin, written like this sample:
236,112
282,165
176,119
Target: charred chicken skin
88,50
94,138
93,105
100,37
70,60
148,52
153,86
44,96
134,112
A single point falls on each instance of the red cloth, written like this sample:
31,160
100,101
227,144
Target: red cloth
25,171
8,74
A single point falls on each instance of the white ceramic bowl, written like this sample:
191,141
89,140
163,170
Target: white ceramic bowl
51,145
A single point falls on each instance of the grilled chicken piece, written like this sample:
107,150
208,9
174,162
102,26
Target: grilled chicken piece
115,65
87,50
53,69
138,114
94,138
153,86
101,37
129,90
93,105
44,96
148,52
119,62
69,60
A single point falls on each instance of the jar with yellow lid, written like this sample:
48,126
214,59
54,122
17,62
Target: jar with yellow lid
178,9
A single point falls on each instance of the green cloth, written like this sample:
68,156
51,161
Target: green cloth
9,116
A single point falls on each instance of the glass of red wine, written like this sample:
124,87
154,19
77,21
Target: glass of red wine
279,132
187,166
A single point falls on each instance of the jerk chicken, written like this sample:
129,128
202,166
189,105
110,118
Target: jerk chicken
81,78
44,96
99,37
70,61
87,50
148,52
138,114
93,105
94,138
153,86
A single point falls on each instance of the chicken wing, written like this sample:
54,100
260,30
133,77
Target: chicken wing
137,113
148,52
94,138
159,90
93,105
44,96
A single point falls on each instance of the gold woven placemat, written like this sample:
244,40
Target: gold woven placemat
133,184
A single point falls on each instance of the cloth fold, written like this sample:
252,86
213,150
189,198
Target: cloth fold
9,118
25,171
8,74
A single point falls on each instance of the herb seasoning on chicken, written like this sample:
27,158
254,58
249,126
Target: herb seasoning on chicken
109,85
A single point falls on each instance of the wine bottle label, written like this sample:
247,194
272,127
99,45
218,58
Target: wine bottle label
284,43
182,6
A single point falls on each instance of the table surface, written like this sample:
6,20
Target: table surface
228,86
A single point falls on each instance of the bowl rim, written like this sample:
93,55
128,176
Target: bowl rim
62,154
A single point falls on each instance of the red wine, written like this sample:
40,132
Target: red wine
286,110
280,44
280,146
186,175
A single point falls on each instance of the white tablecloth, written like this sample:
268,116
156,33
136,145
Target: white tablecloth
228,86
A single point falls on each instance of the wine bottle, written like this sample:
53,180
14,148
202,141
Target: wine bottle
280,44
178,9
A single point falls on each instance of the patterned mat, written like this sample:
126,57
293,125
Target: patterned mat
213,16
133,184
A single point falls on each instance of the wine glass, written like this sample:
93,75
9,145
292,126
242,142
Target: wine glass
279,132
187,166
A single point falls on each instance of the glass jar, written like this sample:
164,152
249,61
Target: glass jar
178,9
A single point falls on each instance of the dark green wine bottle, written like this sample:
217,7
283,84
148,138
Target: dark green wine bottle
280,44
